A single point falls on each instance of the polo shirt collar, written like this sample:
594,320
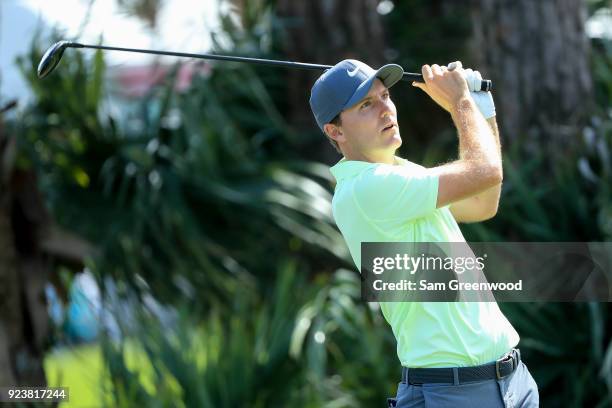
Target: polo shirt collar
349,168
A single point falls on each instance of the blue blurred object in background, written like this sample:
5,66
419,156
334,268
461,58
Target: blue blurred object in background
83,312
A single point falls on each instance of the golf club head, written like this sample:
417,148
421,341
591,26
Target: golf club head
51,58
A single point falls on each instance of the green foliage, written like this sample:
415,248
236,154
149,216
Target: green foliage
194,208
602,69
558,339
296,347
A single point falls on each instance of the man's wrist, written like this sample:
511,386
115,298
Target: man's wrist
462,104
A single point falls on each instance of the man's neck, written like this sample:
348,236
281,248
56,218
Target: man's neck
384,159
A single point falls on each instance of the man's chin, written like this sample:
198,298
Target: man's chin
396,140
394,144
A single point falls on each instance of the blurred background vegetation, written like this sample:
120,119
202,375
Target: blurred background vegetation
204,213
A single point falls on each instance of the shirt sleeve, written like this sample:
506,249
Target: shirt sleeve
396,193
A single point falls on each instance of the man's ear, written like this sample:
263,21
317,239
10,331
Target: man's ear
334,132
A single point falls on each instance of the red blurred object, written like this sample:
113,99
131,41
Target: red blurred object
136,81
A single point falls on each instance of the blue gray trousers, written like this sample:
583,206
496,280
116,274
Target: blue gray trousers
518,390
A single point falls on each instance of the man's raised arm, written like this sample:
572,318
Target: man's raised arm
479,167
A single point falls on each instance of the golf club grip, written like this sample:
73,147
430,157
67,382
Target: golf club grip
485,86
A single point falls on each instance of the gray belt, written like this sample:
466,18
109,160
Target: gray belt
458,375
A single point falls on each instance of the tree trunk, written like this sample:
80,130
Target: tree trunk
536,53
326,32
10,299
23,273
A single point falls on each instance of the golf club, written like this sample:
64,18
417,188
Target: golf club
54,54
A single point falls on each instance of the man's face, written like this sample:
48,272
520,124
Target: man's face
369,129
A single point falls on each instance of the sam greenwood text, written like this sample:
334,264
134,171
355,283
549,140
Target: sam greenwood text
454,284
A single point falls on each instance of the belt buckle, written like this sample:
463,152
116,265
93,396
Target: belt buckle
497,373
509,356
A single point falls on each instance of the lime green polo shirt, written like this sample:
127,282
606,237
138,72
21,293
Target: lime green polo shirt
375,202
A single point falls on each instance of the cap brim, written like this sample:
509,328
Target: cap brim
389,74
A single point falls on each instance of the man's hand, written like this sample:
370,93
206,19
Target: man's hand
484,100
445,86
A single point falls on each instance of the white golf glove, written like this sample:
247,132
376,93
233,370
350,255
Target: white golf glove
484,100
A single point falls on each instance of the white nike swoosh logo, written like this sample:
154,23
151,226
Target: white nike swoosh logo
353,72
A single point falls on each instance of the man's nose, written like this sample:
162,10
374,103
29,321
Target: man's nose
386,106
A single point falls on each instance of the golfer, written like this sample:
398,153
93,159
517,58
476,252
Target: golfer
453,354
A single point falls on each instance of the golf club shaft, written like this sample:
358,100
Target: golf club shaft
486,84
261,61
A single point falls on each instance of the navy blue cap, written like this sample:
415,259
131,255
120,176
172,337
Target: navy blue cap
345,84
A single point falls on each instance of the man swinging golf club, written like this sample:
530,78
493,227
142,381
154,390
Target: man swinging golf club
453,354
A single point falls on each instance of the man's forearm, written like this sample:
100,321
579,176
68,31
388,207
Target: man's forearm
492,195
492,122
478,140
483,205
